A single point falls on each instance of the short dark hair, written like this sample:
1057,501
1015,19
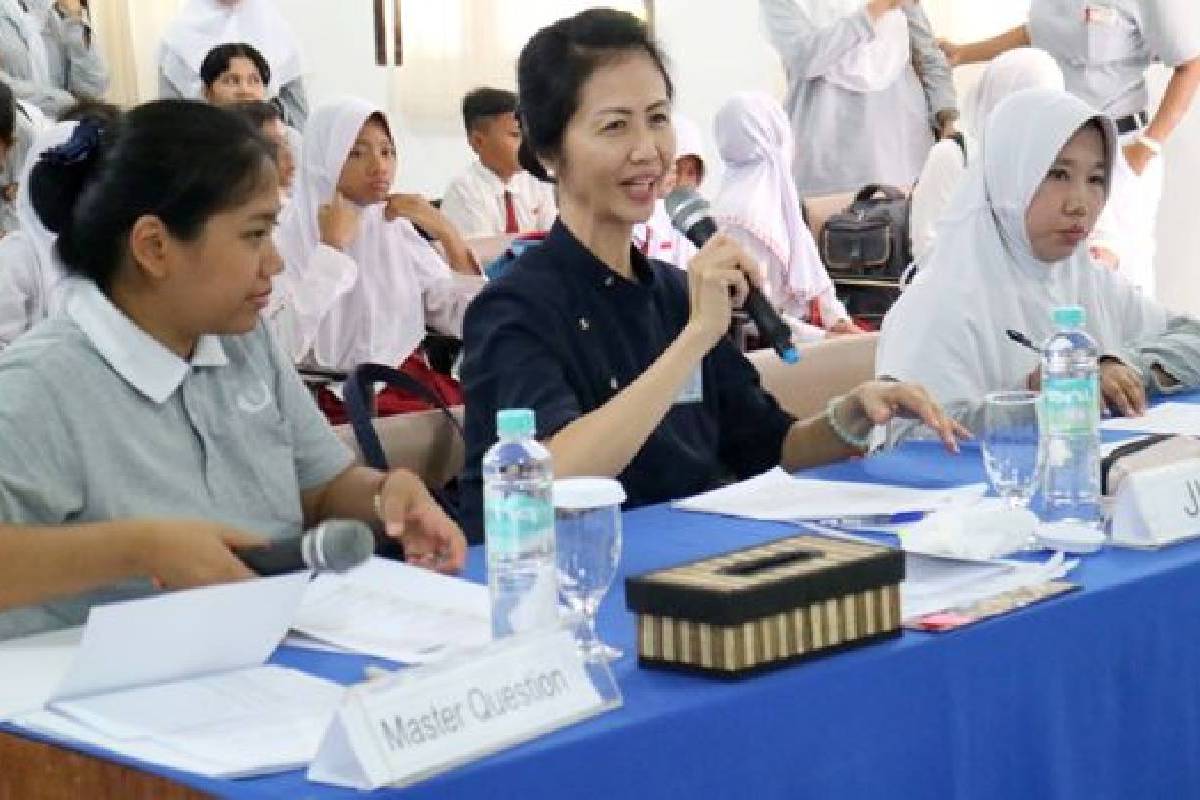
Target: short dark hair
555,64
180,160
484,103
257,113
8,114
217,62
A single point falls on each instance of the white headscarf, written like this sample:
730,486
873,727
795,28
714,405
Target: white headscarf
947,331
382,317
204,24
1022,68
30,27
50,270
871,67
758,194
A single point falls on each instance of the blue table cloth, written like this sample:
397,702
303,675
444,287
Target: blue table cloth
1095,694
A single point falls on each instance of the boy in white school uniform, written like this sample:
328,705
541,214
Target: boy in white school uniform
494,196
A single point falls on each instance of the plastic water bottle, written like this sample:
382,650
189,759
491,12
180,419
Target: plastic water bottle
1071,430
518,507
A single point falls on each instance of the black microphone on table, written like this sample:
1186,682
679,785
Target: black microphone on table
335,545
691,216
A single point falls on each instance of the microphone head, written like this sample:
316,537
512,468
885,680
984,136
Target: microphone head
336,545
686,207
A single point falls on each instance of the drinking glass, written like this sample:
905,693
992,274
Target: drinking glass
587,519
1012,452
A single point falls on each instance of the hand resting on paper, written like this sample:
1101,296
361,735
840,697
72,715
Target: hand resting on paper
412,517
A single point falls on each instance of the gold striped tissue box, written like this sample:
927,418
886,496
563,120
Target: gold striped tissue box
767,605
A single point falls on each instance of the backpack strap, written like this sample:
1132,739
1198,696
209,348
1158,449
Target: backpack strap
356,393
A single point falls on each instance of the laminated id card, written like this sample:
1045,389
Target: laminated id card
1099,15
693,390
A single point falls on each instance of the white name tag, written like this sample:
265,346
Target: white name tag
1158,506
693,390
1099,15
425,720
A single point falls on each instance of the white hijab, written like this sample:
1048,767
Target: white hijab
50,270
871,67
947,331
204,24
758,194
30,26
1022,68
382,317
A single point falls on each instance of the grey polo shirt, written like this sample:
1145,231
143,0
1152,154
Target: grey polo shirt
1105,46
99,421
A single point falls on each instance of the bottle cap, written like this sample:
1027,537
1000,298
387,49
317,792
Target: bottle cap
515,423
1069,316
580,494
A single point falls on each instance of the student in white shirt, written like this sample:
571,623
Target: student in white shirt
1105,48
495,196
19,123
48,55
204,24
360,284
657,237
867,88
268,120
31,274
155,416
758,206
1023,68
1010,249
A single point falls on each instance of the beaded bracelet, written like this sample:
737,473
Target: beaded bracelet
857,442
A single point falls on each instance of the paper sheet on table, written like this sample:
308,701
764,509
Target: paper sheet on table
1169,418
390,609
935,583
776,495
178,635
256,720
33,667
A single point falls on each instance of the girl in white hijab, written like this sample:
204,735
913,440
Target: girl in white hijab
360,284
868,86
204,24
758,206
1010,250
31,274
47,54
1024,68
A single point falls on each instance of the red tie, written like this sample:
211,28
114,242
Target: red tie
646,244
510,214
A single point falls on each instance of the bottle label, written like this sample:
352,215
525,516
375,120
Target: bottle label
1070,406
516,522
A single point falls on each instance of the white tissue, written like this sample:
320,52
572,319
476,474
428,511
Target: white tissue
988,529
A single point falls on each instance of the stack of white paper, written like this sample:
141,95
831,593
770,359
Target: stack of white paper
392,610
179,679
936,583
778,496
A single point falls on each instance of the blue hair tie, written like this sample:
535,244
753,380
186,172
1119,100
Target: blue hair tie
83,144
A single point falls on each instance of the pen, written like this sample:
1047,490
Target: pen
867,520
1023,340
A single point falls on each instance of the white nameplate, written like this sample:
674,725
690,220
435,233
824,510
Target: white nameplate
425,720
1158,506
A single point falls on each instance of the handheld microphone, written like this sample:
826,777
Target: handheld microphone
690,214
335,545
